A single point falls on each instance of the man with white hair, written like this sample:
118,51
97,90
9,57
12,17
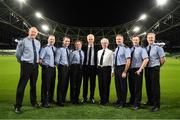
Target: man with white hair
105,68
27,53
89,68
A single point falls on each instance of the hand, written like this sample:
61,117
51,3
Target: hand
40,61
123,75
138,72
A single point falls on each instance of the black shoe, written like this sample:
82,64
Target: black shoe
92,101
148,104
120,106
129,104
52,102
135,108
60,104
17,110
46,105
101,102
77,102
155,109
36,105
84,101
74,102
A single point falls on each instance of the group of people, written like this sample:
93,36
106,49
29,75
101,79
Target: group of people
83,64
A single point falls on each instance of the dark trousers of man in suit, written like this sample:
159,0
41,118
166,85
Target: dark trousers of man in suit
47,79
63,81
75,82
52,86
104,80
135,87
152,76
28,71
121,85
89,72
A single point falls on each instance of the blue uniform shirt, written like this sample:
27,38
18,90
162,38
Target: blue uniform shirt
156,53
123,54
61,56
75,57
138,56
47,55
24,50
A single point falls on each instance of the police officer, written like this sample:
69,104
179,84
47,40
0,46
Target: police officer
76,60
27,53
121,62
139,60
105,68
47,59
62,60
152,72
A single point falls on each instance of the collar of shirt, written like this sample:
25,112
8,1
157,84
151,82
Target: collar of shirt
50,45
121,45
65,47
136,46
152,44
105,49
30,38
90,45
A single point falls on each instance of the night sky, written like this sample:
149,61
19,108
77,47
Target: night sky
92,12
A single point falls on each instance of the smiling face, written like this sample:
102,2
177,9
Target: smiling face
66,41
151,38
51,40
78,45
33,32
90,39
135,40
104,43
119,39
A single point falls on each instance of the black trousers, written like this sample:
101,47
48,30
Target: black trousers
121,85
135,86
152,76
52,85
28,71
75,82
47,81
63,82
104,80
89,72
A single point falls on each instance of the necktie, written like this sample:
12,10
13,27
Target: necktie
67,54
102,56
132,54
149,51
116,57
89,60
80,57
34,51
53,54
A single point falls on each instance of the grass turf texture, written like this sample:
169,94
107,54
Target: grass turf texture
9,76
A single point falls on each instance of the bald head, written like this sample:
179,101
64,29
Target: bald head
33,32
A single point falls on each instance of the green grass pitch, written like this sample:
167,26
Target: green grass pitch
170,98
